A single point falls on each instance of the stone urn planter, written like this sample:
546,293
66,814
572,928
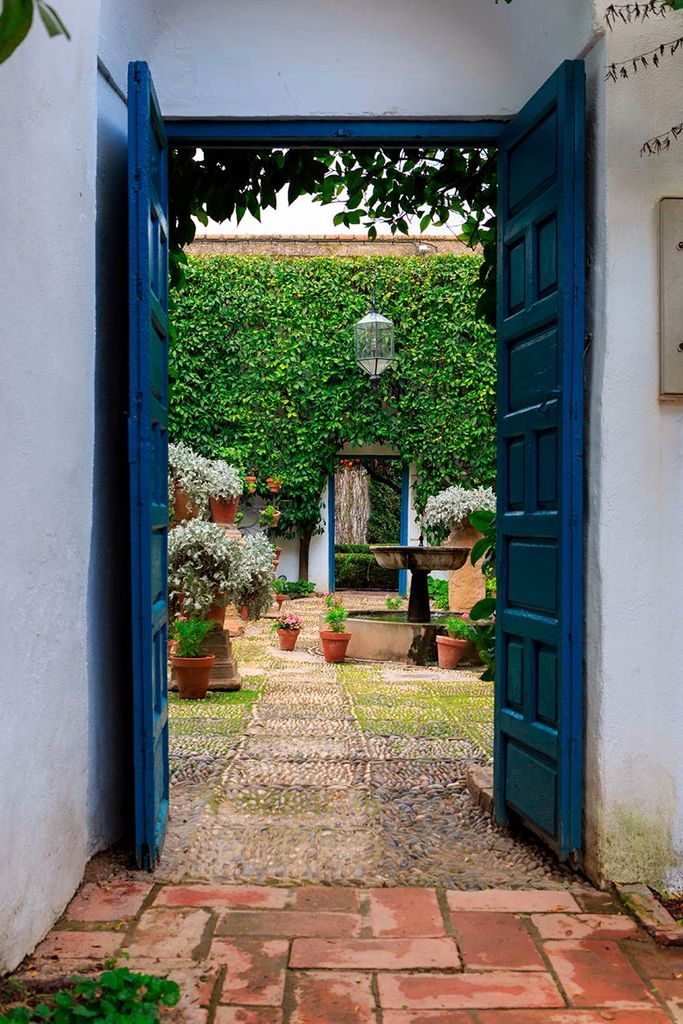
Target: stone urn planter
450,651
193,675
224,510
334,645
467,585
288,638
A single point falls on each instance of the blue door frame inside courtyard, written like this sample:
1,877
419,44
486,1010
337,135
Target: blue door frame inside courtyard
541,281
403,533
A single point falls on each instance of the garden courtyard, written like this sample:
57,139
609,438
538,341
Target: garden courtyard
337,774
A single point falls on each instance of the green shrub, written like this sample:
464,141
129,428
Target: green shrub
438,593
360,571
352,549
298,588
117,995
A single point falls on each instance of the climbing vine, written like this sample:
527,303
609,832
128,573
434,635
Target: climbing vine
263,370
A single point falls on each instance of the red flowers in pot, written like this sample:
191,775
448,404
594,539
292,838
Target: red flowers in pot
288,628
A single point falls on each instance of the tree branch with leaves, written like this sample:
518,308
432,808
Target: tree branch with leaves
16,19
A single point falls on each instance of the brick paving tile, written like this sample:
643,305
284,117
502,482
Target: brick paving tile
495,942
107,901
671,991
327,998
513,901
427,1017
402,913
168,933
584,926
655,961
78,945
289,924
322,897
195,981
596,974
254,897
376,954
504,990
593,901
256,970
247,1015
644,1015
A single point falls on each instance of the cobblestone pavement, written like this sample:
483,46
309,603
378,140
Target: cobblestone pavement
311,955
351,774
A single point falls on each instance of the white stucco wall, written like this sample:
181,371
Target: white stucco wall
635,492
320,57
47,330
313,58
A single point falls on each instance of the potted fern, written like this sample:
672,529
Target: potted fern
192,668
334,639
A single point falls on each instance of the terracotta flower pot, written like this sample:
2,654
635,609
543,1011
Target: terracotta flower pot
182,509
193,675
273,485
450,651
334,645
251,483
172,647
217,613
280,598
244,613
288,638
224,510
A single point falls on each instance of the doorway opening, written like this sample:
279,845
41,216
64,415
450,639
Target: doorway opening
537,727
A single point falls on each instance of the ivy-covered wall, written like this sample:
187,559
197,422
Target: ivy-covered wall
262,369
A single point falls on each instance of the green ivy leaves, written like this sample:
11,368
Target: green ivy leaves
263,363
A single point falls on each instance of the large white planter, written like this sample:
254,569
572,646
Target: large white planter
467,585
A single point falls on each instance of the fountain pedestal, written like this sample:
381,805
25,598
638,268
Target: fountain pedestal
420,561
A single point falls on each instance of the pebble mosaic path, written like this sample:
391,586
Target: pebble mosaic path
350,774
311,955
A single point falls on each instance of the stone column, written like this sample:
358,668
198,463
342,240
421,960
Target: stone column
466,586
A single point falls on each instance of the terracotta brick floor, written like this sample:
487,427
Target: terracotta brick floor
264,955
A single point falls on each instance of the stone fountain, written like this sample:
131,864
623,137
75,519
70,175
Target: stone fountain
398,636
420,561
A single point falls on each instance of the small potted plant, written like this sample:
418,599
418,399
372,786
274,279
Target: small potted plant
192,668
288,628
280,588
256,593
274,483
334,639
250,480
188,482
205,569
225,489
270,517
451,648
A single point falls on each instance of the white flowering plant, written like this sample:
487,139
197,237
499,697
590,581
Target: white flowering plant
258,570
204,566
451,509
224,481
192,473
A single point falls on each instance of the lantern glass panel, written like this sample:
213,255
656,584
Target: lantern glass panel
374,336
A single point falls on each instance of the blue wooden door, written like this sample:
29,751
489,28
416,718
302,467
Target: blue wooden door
148,456
539,685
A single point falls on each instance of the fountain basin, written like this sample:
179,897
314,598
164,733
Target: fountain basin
386,636
419,559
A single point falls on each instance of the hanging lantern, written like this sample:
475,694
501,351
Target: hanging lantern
375,350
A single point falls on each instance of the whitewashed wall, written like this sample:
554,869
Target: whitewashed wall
634,566
48,109
317,57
